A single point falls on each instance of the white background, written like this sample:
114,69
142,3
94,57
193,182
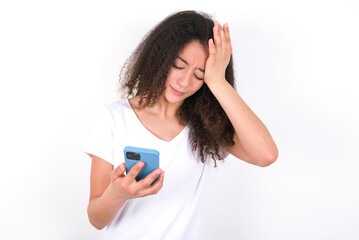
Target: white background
296,64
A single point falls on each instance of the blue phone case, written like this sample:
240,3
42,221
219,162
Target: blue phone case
150,157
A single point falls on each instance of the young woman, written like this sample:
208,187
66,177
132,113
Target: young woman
180,101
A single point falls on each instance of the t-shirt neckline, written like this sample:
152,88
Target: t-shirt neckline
178,136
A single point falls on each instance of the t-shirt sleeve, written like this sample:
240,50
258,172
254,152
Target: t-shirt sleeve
99,141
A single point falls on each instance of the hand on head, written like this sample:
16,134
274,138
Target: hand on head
219,54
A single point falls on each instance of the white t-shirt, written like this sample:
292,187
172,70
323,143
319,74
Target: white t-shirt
175,211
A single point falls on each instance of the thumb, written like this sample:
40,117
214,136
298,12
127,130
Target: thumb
118,172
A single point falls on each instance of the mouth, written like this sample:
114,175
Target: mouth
178,93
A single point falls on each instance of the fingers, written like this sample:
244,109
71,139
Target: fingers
118,172
227,37
222,37
147,181
221,34
132,174
226,32
127,186
212,49
216,34
144,188
154,188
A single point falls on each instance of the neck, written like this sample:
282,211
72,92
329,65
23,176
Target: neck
165,109
162,108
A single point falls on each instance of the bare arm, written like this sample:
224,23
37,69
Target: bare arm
102,207
110,189
253,142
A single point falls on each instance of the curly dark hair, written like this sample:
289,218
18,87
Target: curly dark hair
145,72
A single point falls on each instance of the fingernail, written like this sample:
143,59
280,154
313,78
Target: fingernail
141,164
226,25
215,28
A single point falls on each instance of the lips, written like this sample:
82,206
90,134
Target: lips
178,93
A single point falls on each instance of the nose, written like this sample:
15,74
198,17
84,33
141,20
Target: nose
185,79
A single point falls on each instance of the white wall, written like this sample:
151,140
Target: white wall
297,68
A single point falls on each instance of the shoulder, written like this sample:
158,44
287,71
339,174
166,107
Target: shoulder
112,111
117,106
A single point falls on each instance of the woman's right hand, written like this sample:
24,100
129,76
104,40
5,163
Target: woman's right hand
124,187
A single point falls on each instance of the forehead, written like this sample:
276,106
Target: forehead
194,53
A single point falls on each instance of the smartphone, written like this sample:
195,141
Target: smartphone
150,157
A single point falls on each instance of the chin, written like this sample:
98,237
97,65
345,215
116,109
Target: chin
174,99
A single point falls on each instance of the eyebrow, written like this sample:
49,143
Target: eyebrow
202,70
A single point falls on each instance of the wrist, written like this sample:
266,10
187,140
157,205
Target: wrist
110,198
217,83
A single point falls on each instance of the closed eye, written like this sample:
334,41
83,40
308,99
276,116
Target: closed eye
177,67
198,77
